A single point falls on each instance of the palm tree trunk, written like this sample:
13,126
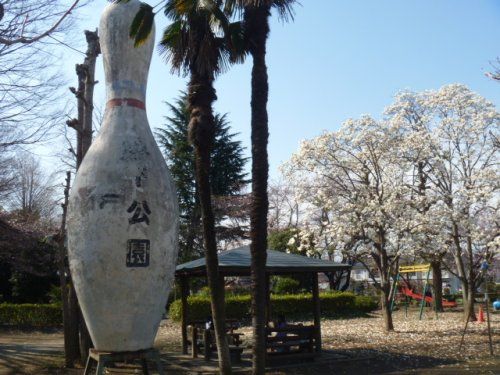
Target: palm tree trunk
201,135
256,18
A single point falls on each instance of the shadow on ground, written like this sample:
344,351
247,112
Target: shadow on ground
42,353
370,362
25,358
336,362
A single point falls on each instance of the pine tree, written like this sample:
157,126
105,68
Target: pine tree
227,177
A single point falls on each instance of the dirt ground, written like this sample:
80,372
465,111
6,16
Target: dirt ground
429,346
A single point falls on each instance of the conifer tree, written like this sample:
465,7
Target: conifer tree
227,177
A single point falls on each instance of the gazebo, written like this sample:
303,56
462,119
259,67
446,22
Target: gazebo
236,262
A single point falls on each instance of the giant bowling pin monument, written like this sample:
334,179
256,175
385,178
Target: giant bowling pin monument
123,213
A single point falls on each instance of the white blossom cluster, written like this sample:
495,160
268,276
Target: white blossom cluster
423,181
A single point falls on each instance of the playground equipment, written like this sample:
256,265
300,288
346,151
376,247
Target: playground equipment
408,292
496,305
417,296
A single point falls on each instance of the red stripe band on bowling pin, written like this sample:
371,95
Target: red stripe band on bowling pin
131,102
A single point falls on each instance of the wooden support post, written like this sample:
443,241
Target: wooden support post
194,341
316,311
184,294
222,286
207,344
423,294
268,299
103,360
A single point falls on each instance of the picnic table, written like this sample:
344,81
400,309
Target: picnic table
202,339
292,341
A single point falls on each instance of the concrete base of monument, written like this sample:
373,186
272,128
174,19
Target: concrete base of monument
99,361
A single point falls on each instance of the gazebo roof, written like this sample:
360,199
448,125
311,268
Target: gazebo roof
236,262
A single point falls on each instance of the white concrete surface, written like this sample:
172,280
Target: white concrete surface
123,213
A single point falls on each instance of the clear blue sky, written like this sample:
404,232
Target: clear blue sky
341,59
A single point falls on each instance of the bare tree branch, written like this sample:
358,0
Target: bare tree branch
28,40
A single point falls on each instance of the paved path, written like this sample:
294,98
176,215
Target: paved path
23,352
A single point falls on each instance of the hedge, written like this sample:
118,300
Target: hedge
33,315
285,285
290,305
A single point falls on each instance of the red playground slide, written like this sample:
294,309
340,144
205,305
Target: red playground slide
408,292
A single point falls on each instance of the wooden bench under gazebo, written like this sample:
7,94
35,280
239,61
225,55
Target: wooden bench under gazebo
303,341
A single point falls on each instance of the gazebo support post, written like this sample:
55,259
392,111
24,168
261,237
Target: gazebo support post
222,286
184,294
268,298
316,311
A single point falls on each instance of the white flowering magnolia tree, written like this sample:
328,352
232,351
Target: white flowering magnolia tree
450,150
464,175
352,174
411,117
284,211
423,182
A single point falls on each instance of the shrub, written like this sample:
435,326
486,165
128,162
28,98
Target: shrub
365,304
55,294
237,307
33,315
293,306
285,285
203,292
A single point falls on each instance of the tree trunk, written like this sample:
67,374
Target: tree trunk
347,280
437,285
73,311
386,310
201,135
468,298
79,335
71,351
257,21
85,341
93,50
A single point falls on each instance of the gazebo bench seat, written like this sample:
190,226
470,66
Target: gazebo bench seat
291,341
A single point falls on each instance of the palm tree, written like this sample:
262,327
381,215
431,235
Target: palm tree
256,15
198,42
191,44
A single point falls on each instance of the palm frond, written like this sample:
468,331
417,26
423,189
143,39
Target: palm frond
174,45
142,24
201,37
237,46
215,12
285,9
175,9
